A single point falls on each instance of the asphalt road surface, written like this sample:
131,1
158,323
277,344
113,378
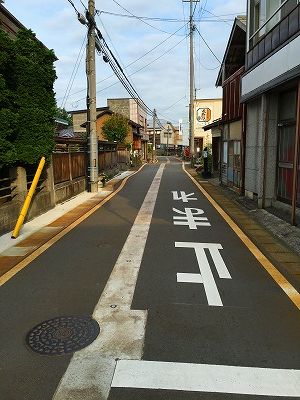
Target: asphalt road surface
211,322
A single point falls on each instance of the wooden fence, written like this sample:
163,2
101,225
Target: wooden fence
69,160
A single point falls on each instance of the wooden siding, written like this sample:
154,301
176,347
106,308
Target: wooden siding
232,107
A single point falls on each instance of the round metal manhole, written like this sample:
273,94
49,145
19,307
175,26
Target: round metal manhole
62,335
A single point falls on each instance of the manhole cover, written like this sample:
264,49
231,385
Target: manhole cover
62,335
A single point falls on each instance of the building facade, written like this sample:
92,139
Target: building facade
135,111
271,91
205,112
9,23
228,132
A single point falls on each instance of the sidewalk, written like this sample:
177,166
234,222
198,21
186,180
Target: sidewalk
277,239
49,227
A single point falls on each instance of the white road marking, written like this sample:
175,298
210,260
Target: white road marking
207,378
190,218
206,277
189,278
183,196
122,330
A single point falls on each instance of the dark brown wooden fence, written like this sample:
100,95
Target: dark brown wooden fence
107,156
69,160
123,155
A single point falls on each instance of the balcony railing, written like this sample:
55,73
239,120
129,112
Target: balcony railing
265,41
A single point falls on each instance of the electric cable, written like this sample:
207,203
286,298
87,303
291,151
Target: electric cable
73,5
214,15
73,75
138,59
140,69
173,20
207,45
129,12
165,109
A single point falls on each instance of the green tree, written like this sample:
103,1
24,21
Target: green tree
63,114
27,101
116,128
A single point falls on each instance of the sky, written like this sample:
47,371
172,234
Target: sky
163,79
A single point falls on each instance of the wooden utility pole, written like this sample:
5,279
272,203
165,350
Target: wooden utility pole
154,137
91,100
192,84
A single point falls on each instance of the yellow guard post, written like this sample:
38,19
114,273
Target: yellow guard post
28,199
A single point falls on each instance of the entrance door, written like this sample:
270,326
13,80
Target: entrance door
286,145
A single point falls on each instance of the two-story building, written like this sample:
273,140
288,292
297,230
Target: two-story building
131,109
228,132
205,112
271,90
134,135
135,111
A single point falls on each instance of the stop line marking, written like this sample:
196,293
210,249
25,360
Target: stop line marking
140,374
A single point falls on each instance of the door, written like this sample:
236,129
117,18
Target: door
286,145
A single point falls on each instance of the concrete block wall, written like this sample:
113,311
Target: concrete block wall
253,148
42,201
119,106
271,161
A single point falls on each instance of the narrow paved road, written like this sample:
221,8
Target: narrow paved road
198,317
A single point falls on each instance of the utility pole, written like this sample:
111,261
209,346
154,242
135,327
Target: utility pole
168,139
192,150
192,84
154,137
91,100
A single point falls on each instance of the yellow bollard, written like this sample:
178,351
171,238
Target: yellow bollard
28,199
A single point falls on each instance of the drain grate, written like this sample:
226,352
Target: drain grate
62,335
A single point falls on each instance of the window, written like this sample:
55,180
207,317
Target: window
257,15
262,11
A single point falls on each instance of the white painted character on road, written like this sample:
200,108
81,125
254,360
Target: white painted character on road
206,276
190,217
183,196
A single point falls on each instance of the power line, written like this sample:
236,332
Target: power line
74,73
138,59
113,62
157,19
129,12
207,45
214,15
140,69
108,56
184,97
73,5
112,45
